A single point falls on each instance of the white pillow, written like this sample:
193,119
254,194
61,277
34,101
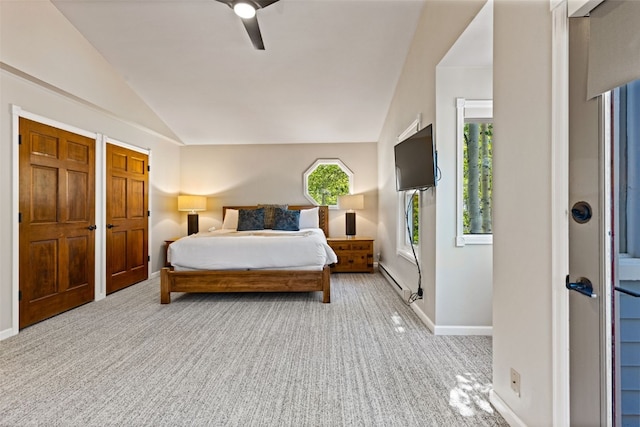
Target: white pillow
309,218
230,220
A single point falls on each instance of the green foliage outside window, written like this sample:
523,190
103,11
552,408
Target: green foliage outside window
326,183
477,177
415,218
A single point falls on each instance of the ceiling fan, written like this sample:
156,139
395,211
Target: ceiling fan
246,10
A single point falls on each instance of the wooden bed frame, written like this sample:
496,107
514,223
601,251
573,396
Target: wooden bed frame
250,280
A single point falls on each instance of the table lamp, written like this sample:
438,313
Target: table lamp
350,202
192,204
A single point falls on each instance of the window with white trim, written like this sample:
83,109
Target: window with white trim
409,209
474,171
409,224
412,217
325,180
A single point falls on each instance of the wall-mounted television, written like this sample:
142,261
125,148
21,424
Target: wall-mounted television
416,161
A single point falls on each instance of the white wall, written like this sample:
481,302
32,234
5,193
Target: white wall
440,25
251,174
39,41
522,196
464,275
37,50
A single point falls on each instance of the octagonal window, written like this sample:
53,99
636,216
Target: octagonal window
325,180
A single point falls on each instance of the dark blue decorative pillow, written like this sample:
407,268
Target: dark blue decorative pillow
269,212
251,219
286,220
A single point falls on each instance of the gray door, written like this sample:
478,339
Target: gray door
589,241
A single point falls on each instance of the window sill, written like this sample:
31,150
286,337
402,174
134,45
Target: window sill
408,255
474,239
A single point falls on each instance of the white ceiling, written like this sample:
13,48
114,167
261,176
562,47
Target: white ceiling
327,75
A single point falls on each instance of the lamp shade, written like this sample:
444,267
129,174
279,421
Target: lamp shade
351,201
192,203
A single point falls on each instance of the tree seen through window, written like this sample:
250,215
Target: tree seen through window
326,180
477,176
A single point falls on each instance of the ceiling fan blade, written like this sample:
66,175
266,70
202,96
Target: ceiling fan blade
257,4
253,29
264,3
251,24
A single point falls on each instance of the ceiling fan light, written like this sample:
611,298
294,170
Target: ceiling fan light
244,10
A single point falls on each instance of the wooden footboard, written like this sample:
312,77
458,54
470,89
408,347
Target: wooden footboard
244,281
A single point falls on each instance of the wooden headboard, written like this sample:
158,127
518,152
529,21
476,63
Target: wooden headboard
323,213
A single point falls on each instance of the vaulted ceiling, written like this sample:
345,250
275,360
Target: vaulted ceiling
327,74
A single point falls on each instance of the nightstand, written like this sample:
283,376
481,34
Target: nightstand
355,254
166,250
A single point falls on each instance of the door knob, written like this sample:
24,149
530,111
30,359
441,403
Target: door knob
92,227
111,226
581,212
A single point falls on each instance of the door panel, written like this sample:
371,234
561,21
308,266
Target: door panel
127,217
588,242
78,261
57,241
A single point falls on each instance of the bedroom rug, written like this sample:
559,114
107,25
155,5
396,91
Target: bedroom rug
245,360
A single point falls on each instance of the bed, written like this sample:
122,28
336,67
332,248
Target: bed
187,275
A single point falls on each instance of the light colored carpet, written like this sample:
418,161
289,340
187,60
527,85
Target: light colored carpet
245,360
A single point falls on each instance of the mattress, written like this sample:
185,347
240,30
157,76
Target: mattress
263,249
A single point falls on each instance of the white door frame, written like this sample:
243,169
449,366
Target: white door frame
16,113
100,203
561,10
559,212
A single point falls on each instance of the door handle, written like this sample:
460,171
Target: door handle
627,291
92,227
110,226
581,212
582,285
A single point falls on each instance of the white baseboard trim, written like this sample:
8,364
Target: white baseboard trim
154,275
436,330
7,333
425,319
400,288
464,330
505,410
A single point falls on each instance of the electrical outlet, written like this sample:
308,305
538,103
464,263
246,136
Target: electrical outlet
515,382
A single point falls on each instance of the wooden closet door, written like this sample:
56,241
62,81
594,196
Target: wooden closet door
127,217
57,211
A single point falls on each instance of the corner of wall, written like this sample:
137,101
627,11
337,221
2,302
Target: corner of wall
504,410
7,333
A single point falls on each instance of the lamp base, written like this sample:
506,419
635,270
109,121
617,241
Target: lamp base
350,225
192,224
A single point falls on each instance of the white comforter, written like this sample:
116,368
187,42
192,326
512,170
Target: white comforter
263,249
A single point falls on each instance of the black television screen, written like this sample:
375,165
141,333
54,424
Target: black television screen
415,161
